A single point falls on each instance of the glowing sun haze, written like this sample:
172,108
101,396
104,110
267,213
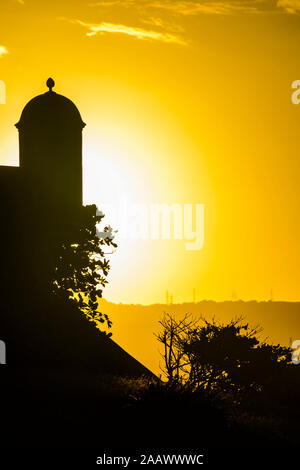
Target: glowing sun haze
185,102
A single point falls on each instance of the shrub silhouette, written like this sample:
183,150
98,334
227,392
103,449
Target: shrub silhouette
252,383
219,357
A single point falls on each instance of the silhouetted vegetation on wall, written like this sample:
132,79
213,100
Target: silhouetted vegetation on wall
81,267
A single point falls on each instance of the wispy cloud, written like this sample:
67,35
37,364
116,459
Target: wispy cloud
205,7
163,24
3,51
163,20
290,6
137,33
188,7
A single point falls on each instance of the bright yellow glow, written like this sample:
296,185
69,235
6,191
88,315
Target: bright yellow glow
207,119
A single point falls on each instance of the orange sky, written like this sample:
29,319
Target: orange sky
185,102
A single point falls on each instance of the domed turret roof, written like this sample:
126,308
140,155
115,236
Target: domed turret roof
50,109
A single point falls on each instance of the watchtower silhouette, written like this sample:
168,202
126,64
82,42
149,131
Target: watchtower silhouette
39,206
50,137
41,197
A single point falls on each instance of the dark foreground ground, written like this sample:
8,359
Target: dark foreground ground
61,418
60,413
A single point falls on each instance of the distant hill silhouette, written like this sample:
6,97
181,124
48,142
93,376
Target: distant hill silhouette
137,323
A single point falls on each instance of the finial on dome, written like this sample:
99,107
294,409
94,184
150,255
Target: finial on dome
50,83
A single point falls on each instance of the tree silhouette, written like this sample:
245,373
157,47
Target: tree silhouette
81,267
219,357
172,336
